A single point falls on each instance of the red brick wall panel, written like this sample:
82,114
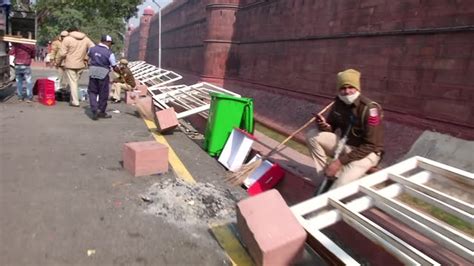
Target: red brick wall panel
400,88
465,6
133,45
186,59
457,51
181,13
470,69
451,64
296,48
449,110
183,31
178,46
403,104
453,77
371,3
429,90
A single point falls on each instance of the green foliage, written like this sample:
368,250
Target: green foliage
93,17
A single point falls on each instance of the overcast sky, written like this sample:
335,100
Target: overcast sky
135,20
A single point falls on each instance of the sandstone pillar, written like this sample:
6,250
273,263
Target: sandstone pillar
221,18
144,29
126,45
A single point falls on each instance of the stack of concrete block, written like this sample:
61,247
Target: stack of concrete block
269,229
145,158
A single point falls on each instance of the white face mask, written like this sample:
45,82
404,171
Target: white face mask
349,99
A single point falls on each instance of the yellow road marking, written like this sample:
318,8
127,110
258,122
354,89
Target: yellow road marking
231,245
173,158
224,235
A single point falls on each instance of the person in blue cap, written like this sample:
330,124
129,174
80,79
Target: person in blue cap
101,60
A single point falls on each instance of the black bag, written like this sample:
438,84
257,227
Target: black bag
63,95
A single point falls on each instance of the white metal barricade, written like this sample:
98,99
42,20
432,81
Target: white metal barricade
407,177
135,64
161,78
192,99
152,76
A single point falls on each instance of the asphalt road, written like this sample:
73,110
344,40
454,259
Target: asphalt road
66,200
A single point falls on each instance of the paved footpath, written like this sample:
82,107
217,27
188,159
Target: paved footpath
66,200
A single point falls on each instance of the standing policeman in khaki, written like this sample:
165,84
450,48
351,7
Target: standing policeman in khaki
55,46
360,119
73,52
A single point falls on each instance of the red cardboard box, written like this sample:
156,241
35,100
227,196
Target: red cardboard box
46,92
265,177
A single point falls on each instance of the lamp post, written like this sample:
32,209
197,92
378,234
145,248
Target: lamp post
159,34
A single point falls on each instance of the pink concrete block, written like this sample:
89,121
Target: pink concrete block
142,89
269,229
145,158
131,97
166,119
145,107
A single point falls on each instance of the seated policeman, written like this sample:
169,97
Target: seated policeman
360,120
122,80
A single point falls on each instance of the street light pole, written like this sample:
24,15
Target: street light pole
159,34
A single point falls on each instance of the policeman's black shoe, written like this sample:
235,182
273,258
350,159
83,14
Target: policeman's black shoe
95,116
104,115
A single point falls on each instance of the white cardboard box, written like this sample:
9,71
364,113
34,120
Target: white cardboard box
236,149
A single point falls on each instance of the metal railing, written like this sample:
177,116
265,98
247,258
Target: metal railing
380,190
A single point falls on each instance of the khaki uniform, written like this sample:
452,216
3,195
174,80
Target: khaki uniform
123,81
364,146
55,46
73,53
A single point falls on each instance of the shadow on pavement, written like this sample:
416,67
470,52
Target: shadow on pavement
7,92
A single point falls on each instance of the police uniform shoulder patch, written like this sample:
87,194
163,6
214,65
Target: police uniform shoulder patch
374,118
373,112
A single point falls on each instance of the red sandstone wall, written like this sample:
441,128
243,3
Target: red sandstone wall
145,21
416,56
298,46
133,45
183,33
